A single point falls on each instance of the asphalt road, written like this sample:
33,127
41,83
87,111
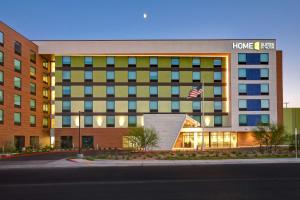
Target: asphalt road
263,181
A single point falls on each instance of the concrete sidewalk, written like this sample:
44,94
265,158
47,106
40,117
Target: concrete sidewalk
71,163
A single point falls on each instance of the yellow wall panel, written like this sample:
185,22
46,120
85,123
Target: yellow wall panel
58,61
207,62
207,77
142,106
58,121
164,62
99,61
99,91
208,91
140,121
186,77
185,90
77,106
186,62
58,76
164,106
121,76
77,91
58,106
121,121
186,106
208,106
121,106
164,91
121,61
142,76
58,91
77,76
77,61
121,91
99,76
164,76
99,121
142,61
99,106
142,91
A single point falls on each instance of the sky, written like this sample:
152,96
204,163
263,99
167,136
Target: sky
167,19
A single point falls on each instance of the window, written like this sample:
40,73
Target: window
110,91
153,91
131,61
264,103
264,74
45,92
175,62
265,119
1,78
32,104
153,105
196,76
110,76
66,61
242,58
34,141
217,62
32,56
196,106
88,91
242,104
45,107
66,121
1,58
253,120
242,89
88,106
175,91
217,120
1,38
131,76
110,106
17,118
218,76
88,121
242,74
131,91
153,76
153,62
264,58
1,97
66,106
131,121
17,65
17,83
131,106
66,75
253,58
218,106
196,62
174,76
1,116
110,61
45,122
264,89
242,120
32,71
45,78
110,121
32,120
45,65
88,75
66,91
17,101
175,106
88,61
217,91
18,48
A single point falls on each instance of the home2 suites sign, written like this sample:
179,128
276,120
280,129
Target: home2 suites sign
254,45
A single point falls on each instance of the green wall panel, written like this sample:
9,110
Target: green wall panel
58,61
164,91
164,62
77,76
164,76
142,61
77,61
207,62
142,76
186,77
207,77
186,62
121,76
121,61
58,76
99,61
99,76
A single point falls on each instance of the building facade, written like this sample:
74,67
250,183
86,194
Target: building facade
118,84
291,120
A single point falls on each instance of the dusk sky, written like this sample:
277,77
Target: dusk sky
167,19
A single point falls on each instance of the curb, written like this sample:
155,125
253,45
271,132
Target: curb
9,156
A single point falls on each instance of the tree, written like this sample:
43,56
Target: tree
278,135
143,138
260,134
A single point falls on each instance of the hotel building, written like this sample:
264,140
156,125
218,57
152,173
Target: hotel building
118,84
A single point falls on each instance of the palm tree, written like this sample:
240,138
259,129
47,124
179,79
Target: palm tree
143,138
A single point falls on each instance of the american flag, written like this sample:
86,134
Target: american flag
195,93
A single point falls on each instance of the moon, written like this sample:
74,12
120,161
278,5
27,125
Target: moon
145,15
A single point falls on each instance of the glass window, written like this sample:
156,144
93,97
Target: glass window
131,105
175,90
196,105
45,92
32,88
66,60
242,73
45,78
218,76
17,100
32,120
153,61
66,75
242,120
131,90
264,104
66,121
45,107
196,62
110,90
110,105
17,118
242,88
131,75
175,61
1,58
1,97
18,48
175,105
153,105
196,76
218,120
264,58
242,104
66,106
1,38
153,90
32,56
88,106
17,65
242,58
264,88
175,76
88,60
218,105
217,90
32,71
88,121
1,116
110,121
88,75
32,104
265,119
88,90
110,75
17,82
131,61
45,122
153,76
110,60
264,73
217,62
131,121
1,77
66,90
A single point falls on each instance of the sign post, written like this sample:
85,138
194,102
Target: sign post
296,143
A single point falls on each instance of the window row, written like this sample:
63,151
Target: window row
253,120
254,104
254,89
18,119
253,58
253,74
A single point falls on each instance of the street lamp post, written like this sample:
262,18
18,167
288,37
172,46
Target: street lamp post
80,155
296,143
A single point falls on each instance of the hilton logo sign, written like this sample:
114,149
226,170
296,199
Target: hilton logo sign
254,45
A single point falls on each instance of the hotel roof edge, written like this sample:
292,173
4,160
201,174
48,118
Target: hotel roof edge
218,39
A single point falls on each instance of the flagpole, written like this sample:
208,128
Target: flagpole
202,120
